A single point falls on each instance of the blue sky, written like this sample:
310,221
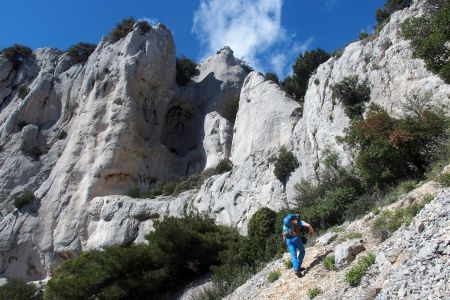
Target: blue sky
269,34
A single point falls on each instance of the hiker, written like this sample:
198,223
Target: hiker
292,226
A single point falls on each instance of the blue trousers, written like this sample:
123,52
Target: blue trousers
294,244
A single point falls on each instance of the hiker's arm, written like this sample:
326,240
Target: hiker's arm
310,229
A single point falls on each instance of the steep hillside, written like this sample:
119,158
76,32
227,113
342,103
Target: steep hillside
414,263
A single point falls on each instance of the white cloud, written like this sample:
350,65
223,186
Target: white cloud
252,28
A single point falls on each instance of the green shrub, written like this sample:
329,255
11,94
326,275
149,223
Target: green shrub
363,35
429,35
356,273
391,6
337,229
445,180
286,163
121,30
24,199
288,264
389,221
62,135
144,26
262,223
79,53
186,68
22,91
273,276
229,109
306,63
390,150
353,235
134,192
33,152
16,54
166,264
352,94
314,292
225,165
328,263
18,290
271,76
245,65
326,203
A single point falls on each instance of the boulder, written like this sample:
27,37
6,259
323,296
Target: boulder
346,252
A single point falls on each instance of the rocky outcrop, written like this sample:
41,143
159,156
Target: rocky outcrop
412,264
93,130
346,252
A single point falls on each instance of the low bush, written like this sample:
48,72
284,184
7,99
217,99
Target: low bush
285,164
79,53
121,30
271,76
33,152
22,91
314,292
244,64
288,264
62,135
273,276
352,235
142,271
225,165
352,94
172,187
391,6
445,180
24,199
186,68
388,221
144,26
229,109
19,290
429,35
328,263
262,223
134,192
326,202
16,54
389,150
356,273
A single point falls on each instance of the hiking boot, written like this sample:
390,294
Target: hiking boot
302,269
299,274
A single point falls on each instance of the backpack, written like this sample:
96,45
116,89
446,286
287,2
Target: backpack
287,222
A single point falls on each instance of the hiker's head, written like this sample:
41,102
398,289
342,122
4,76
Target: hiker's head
295,218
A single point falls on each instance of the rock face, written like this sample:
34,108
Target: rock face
346,252
414,263
87,133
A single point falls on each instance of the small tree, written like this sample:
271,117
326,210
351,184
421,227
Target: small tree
22,91
144,26
24,199
262,223
223,166
121,30
389,8
16,53
286,163
17,290
186,68
352,94
271,76
80,52
297,84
